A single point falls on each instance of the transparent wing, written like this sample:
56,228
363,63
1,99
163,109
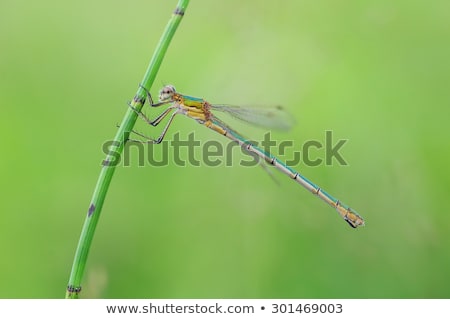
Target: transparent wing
219,122
274,117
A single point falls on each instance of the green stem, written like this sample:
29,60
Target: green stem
109,164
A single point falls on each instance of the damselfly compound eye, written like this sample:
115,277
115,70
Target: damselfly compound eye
166,93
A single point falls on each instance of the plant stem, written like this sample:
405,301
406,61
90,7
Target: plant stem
109,164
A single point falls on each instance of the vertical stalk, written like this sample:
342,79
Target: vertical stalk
109,164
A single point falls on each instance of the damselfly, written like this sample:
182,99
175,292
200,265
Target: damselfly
202,111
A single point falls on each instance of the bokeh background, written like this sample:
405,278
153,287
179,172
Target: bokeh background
373,72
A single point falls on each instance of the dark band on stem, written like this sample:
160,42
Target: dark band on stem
91,210
179,11
73,289
138,99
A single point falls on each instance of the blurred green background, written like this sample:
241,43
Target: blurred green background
373,72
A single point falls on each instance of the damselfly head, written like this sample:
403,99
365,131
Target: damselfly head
166,93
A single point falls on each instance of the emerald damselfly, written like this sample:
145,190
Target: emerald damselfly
202,111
